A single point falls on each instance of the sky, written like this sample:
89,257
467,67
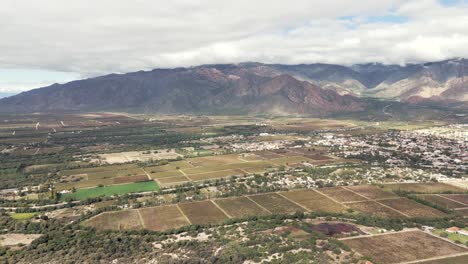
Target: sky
56,41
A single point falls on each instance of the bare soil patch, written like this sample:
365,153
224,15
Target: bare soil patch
403,246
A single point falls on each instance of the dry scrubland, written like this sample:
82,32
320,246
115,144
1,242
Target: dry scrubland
17,239
403,246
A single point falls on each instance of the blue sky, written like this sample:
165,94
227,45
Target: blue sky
56,41
14,80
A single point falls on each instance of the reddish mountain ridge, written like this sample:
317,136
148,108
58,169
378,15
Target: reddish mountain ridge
203,89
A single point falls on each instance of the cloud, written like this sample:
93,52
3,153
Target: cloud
97,37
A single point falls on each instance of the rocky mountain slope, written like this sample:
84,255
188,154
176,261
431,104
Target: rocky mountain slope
313,89
203,89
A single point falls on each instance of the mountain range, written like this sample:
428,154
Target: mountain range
311,89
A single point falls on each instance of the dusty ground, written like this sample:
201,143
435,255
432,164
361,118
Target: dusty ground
17,239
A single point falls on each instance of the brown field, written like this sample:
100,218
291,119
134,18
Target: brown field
239,207
129,179
290,160
313,201
342,195
215,160
402,246
462,198
168,167
166,174
204,212
371,192
173,180
98,169
451,260
412,208
250,157
276,204
441,201
120,220
424,187
105,175
463,212
83,184
214,174
163,218
374,208
268,154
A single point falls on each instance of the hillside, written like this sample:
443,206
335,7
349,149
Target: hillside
312,89
209,89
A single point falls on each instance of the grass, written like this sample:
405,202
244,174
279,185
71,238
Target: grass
82,194
22,216
452,236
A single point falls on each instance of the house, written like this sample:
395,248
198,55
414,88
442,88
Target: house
456,230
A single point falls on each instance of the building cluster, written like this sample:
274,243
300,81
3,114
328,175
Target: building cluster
396,148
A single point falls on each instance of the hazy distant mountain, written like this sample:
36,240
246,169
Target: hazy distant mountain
313,89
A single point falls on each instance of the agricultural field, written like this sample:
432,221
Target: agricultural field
412,208
376,209
163,218
443,200
313,201
240,207
204,212
371,192
129,156
461,198
103,175
342,195
424,187
169,181
402,247
276,203
463,259
120,220
22,216
82,194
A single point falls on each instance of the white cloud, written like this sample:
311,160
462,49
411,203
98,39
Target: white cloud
101,36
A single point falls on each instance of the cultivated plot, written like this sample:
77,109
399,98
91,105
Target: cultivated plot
83,194
463,259
376,209
276,203
371,192
239,207
204,212
342,195
403,246
446,202
120,220
313,200
435,187
412,208
163,218
173,180
462,198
